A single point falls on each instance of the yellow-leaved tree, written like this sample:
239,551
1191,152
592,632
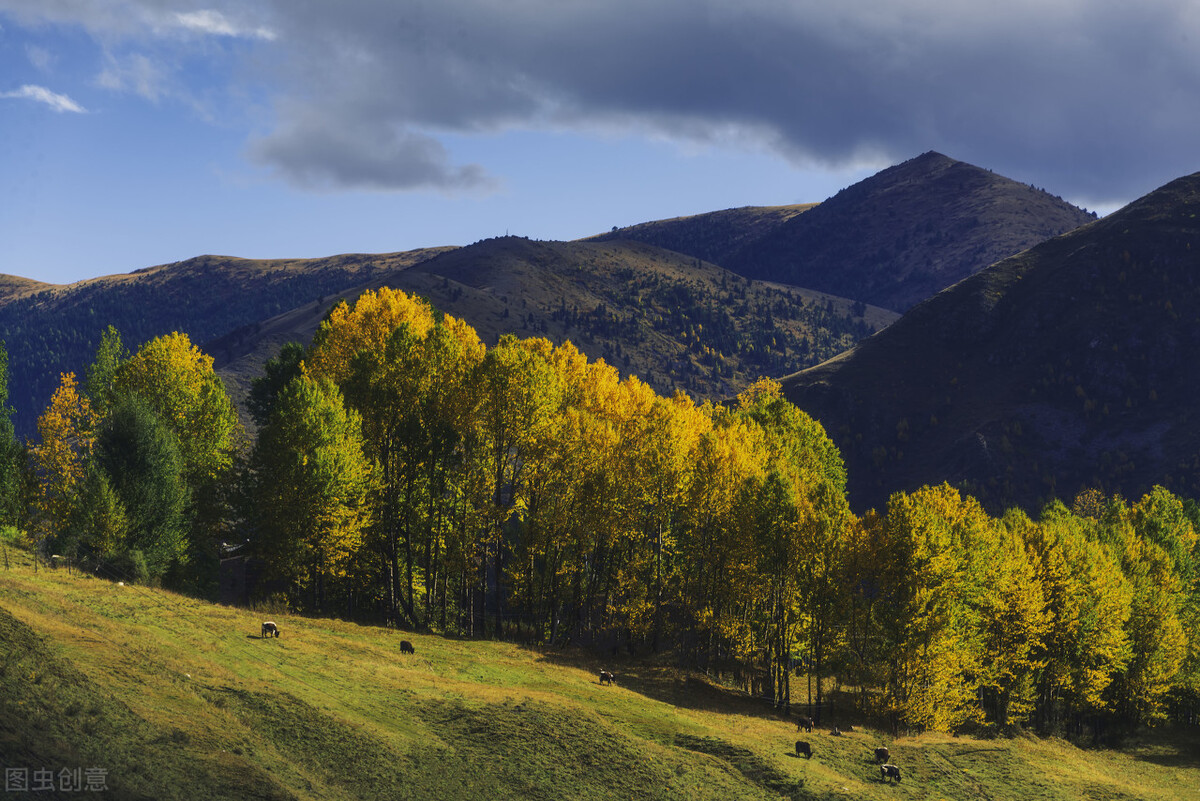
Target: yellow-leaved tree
364,327
930,623
66,432
177,381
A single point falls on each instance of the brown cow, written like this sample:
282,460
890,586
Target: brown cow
805,723
406,647
607,677
269,629
803,747
882,754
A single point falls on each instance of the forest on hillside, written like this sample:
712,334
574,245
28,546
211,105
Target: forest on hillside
405,474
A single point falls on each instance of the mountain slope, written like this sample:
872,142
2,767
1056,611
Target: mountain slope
675,321
907,232
52,329
1067,366
173,698
714,236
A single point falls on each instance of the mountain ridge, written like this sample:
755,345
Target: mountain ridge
1056,369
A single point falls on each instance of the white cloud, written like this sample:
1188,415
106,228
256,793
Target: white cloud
214,23
41,94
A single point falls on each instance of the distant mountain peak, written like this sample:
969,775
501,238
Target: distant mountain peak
907,232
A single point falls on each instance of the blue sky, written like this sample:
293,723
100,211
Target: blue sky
139,132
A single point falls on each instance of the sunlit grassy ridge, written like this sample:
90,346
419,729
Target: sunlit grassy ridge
176,698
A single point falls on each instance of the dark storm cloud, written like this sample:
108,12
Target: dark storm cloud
1095,99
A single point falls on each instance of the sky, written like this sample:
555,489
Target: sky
142,132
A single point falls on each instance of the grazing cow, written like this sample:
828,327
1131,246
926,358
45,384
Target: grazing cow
269,629
805,723
836,732
882,754
889,772
406,647
607,677
802,747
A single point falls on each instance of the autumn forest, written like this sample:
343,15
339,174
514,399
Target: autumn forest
400,472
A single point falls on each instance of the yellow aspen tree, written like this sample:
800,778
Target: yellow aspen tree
1089,602
365,326
66,432
932,631
177,381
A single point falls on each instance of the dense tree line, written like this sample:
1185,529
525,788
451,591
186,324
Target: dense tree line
131,467
405,473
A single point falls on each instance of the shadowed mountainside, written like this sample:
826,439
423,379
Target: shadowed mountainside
1068,366
890,240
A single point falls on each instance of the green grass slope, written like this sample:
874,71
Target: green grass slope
175,698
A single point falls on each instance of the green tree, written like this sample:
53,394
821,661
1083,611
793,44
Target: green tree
102,375
177,381
11,454
311,488
141,460
277,374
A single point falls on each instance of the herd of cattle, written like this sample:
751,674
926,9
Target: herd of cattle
886,770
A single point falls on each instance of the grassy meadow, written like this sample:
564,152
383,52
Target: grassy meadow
177,698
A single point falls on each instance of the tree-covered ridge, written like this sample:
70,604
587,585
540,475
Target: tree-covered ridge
56,329
407,474
907,232
674,321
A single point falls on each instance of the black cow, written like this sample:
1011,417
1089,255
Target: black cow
805,723
803,748
882,754
606,677
889,772
406,647
269,629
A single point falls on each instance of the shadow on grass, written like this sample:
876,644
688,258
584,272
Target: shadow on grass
746,762
672,685
1171,747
